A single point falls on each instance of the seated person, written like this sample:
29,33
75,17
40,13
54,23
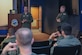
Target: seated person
69,39
10,37
24,40
57,35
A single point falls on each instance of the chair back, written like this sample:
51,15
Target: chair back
42,47
75,50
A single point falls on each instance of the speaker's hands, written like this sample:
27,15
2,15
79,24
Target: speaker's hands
58,20
24,20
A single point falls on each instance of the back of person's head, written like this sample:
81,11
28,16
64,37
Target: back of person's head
24,37
59,29
67,28
11,31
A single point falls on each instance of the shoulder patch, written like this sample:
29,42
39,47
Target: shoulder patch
64,13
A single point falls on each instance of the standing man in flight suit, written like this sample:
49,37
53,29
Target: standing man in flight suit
62,17
26,18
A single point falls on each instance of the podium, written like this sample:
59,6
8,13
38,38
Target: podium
14,21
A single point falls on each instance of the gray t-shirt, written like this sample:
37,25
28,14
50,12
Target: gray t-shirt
69,40
36,54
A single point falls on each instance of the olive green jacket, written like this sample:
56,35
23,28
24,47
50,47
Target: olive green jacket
29,19
7,40
63,17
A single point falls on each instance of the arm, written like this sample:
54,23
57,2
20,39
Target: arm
5,40
58,18
52,38
2,43
9,47
30,18
53,35
55,45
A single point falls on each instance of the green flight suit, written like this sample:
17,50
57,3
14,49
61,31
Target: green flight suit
11,39
63,18
29,19
6,41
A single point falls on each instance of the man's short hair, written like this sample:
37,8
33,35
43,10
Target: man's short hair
59,29
67,28
24,36
11,31
63,6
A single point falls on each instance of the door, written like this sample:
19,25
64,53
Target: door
37,17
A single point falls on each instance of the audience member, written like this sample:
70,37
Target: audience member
24,40
69,39
10,37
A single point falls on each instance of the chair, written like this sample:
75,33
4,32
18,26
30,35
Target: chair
79,36
0,51
42,47
40,43
75,50
41,50
2,37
